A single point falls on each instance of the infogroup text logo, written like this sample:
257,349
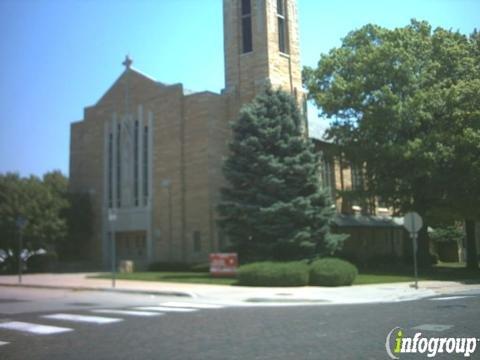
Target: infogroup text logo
397,343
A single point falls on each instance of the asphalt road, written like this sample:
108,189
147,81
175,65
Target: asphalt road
287,332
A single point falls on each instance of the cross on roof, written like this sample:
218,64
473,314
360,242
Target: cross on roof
127,62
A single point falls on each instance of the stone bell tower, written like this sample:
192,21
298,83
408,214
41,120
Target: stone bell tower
261,47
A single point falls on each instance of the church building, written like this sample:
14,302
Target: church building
150,154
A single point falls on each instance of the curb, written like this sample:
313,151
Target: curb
286,301
124,291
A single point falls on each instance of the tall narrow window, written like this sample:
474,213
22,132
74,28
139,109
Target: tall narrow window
328,176
247,26
357,177
327,173
221,240
119,166
135,164
110,170
305,114
282,27
197,241
145,164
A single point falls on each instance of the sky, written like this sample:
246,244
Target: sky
59,56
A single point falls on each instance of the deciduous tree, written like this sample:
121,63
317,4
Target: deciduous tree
406,102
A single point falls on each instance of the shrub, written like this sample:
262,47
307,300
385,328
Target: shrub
42,262
9,265
274,274
168,266
178,267
332,272
447,234
202,267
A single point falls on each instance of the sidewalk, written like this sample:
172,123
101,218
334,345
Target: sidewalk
244,296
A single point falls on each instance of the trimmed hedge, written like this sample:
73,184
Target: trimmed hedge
39,263
168,266
332,272
274,274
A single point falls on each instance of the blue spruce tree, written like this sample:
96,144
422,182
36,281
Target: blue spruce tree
274,206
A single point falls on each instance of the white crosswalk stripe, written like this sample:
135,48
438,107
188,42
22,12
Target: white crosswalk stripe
164,309
146,311
82,318
191,305
449,298
33,328
433,327
126,312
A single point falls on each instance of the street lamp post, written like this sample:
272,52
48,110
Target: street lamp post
21,223
112,217
20,246
166,184
414,237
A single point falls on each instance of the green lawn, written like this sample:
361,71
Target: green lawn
364,279
445,272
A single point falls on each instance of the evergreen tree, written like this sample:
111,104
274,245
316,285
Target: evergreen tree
274,206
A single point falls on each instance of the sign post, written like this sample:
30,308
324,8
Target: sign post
21,223
413,222
112,217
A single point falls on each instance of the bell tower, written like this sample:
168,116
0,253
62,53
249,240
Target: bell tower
261,46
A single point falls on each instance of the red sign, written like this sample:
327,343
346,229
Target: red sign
223,264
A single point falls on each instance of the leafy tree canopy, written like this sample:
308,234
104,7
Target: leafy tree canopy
39,202
56,220
406,102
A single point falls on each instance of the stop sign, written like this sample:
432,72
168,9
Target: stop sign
412,222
